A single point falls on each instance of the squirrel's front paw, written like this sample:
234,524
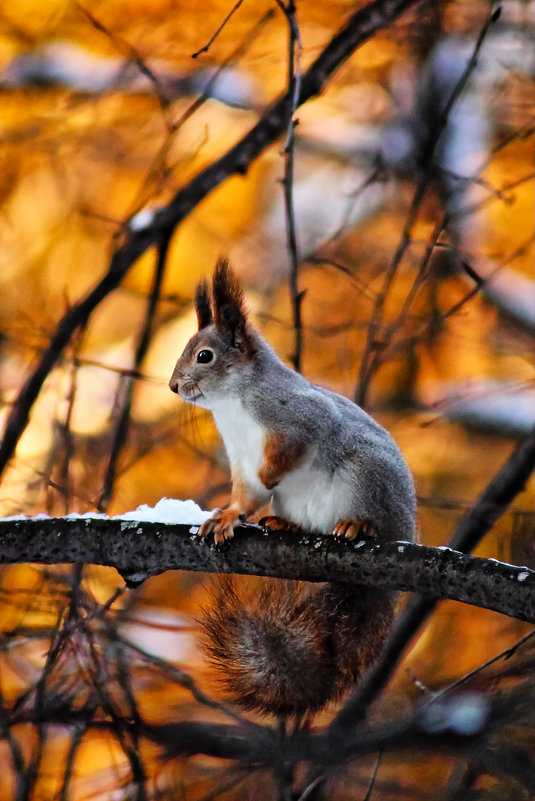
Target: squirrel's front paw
350,529
221,525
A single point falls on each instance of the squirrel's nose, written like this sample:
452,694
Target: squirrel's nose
173,384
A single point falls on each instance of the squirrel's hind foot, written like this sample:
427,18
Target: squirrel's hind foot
275,523
351,529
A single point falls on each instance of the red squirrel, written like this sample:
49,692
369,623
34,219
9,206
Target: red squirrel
325,466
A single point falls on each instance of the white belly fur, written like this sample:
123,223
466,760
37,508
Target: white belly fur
308,496
314,499
244,441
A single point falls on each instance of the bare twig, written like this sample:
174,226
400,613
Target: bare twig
65,429
214,36
41,688
134,57
158,169
184,680
293,94
505,654
464,211
320,748
17,757
101,676
373,777
374,342
379,351
75,743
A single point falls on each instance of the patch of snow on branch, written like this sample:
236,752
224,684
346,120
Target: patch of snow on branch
166,510
12,518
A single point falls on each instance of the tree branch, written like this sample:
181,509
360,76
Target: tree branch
139,550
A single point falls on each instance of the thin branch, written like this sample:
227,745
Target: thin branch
374,343
387,347
359,28
134,57
185,680
214,36
121,429
64,427
17,758
74,746
464,211
507,653
373,776
159,169
293,93
319,747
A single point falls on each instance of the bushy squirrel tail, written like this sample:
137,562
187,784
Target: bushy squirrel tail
287,649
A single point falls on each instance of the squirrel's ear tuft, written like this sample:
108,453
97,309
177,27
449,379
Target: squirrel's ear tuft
202,305
230,316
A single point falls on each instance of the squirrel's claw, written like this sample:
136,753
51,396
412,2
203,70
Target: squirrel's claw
221,525
274,523
350,529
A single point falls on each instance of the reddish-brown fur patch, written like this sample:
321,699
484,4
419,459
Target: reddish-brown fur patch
280,456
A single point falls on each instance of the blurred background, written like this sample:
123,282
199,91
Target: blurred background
414,201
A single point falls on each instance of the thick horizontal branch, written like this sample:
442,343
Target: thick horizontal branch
139,549
359,28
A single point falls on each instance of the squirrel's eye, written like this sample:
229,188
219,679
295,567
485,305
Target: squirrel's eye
205,356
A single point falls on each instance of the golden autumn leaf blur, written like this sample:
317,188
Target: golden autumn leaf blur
413,190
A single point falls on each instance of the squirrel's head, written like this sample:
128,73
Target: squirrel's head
219,357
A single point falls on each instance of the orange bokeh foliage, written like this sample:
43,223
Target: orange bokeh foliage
77,165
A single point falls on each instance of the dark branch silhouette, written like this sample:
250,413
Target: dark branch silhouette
359,28
139,550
